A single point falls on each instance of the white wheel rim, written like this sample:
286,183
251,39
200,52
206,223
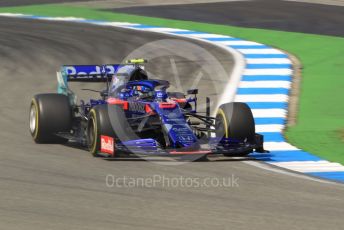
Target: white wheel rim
33,121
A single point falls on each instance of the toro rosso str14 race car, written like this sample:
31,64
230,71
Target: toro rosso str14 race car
137,115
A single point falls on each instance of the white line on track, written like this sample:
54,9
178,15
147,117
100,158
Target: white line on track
269,128
269,113
164,29
65,19
242,43
311,166
260,51
14,15
262,98
286,72
276,169
116,24
202,35
268,61
265,84
279,146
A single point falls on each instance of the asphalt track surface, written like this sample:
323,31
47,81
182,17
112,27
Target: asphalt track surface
265,14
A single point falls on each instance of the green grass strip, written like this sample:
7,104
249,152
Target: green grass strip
321,110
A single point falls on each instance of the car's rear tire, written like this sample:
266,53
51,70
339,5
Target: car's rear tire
50,114
235,120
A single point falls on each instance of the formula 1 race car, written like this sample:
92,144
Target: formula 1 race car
137,115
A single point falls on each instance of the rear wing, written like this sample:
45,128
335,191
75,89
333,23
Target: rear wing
89,73
83,73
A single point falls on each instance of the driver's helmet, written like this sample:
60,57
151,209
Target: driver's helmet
120,79
142,89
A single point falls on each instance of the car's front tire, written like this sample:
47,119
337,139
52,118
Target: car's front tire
107,120
235,120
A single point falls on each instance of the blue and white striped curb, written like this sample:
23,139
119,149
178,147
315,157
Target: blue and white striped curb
263,84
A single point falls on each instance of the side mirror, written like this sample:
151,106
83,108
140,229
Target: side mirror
192,91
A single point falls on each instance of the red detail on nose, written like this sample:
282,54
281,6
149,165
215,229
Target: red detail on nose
167,105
